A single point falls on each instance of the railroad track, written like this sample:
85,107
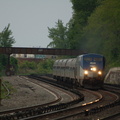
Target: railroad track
86,110
21,113
80,112
26,109
113,88
104,101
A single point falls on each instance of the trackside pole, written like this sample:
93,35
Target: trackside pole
0,91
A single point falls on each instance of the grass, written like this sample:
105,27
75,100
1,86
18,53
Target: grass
4,92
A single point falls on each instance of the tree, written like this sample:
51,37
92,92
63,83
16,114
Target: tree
6,40
70,36
102,34
85,5
82,10
59,36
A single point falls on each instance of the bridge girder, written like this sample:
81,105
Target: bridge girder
46,51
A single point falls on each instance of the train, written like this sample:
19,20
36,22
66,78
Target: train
85,70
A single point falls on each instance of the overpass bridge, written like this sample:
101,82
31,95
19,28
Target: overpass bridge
46,51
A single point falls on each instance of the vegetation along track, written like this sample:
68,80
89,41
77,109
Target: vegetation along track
6,89
40,109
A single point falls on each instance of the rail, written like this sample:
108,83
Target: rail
84,113
41,109
59,109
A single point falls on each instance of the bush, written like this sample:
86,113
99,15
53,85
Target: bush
45,66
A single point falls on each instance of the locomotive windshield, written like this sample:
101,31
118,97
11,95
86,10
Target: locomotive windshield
88,59
97,59
92,59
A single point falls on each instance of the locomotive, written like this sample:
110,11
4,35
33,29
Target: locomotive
86,70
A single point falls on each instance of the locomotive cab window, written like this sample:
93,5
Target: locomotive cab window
97,59
88,59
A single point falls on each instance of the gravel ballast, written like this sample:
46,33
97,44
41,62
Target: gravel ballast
26,94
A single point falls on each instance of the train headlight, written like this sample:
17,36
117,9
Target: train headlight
93,68
86,72
100,72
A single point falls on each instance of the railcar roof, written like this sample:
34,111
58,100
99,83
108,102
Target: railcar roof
91,54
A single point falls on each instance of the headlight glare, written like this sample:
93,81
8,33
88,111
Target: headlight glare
100,72
93,69
86,72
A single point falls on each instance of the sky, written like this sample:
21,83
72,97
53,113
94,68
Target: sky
29,19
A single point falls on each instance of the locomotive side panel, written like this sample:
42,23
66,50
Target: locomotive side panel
63,64
72,69
79,70
55,69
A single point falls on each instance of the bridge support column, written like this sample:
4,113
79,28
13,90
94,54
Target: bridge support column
8,71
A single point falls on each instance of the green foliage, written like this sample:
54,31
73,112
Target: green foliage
59,36
82,10
84,5
102,34
14,63
27,65
94,27
3,60
69,36
6,40
45,66
4,91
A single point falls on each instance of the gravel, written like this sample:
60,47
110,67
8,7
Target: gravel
26,94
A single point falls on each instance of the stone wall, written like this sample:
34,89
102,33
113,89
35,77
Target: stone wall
113,76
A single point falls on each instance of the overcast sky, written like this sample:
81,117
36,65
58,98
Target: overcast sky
29,19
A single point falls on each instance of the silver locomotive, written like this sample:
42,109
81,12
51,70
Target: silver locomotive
85,70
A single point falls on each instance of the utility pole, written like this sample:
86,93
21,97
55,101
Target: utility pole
0,91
